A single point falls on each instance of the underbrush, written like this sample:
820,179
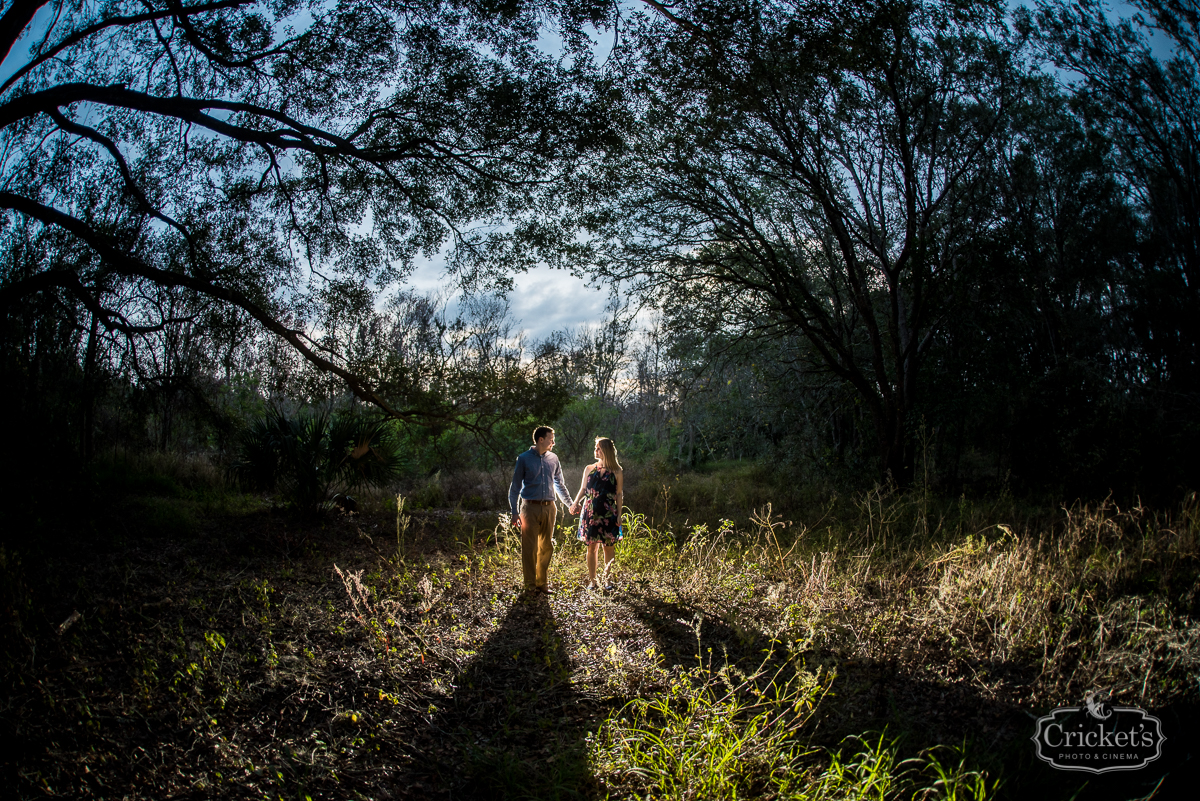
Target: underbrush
720,490
666,496
885,646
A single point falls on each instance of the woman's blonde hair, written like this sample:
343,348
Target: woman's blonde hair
608,453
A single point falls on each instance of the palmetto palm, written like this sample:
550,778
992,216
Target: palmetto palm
310,456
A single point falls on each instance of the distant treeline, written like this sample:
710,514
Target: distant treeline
925,242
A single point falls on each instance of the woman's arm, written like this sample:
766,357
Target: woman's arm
620,493
582,487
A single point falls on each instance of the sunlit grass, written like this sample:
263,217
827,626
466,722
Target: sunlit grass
768,655
720,734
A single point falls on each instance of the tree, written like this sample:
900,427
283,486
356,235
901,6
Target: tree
1030,372
816,170
593,359
581,421
471,368
282,161
1149,107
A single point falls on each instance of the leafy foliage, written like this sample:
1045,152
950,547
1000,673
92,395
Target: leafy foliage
185,178
310,456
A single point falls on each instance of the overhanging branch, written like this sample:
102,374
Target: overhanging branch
120,262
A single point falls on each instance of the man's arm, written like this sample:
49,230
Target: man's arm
514,489
560,484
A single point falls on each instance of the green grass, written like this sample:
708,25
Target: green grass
882,646
721,734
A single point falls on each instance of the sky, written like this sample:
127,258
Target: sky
542,300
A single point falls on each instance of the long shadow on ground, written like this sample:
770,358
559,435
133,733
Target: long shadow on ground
881,695
512,726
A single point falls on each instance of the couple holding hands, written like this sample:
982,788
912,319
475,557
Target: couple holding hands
538,480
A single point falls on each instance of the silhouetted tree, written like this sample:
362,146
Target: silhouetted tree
820,170
283,161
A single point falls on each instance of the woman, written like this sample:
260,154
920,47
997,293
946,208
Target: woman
598,504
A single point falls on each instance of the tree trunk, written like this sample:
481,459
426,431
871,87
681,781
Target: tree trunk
896,451
89,390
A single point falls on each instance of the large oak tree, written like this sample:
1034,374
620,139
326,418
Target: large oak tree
286,161
816,171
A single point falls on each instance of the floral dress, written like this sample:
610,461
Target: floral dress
600,520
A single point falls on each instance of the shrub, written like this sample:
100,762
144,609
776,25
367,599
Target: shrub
312,456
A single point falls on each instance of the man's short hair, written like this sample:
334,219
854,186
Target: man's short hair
542,431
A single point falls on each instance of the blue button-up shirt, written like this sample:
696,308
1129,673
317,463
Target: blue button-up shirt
537,478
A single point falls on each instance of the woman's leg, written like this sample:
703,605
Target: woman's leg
591,561
610,555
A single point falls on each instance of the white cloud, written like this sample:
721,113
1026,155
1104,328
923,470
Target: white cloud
543,300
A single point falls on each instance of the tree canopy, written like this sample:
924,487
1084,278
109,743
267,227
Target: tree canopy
820,169
284,164
870,235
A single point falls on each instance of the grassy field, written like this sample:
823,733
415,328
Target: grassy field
167,637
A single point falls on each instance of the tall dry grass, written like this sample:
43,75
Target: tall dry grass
1009,608
1096,595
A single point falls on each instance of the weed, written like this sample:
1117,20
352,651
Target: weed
402,523
713,735
746,652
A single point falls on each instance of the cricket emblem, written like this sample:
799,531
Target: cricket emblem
1096,707
1098,737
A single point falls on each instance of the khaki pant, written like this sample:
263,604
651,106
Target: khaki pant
537,545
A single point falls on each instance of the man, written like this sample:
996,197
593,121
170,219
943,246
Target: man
537,479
